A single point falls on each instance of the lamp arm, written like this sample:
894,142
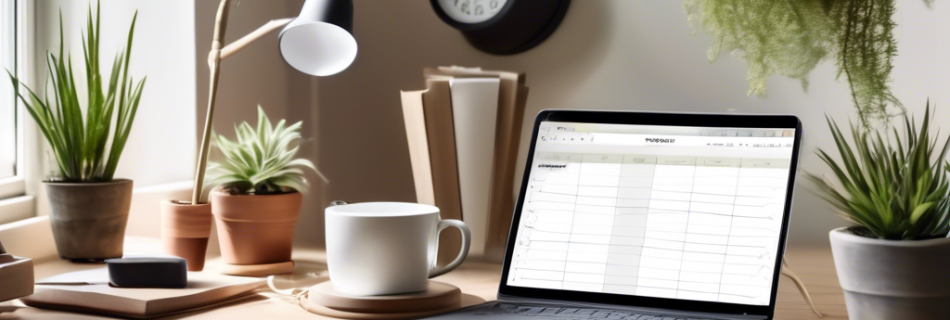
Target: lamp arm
239,44
220,25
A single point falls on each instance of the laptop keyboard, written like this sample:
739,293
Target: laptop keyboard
498,309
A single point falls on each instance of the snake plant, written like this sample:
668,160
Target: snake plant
893,184
81,149
261,160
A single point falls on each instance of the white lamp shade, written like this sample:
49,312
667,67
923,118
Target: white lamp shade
317,48
319,41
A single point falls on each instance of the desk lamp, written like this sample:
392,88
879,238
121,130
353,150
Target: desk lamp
318,42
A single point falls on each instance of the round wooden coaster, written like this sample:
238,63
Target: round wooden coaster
324,311
258,270
439,298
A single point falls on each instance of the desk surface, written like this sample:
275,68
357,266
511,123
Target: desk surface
813,265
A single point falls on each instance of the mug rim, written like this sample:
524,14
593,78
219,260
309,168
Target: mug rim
383,209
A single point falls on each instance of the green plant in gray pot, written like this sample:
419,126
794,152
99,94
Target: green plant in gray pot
90,207
893,186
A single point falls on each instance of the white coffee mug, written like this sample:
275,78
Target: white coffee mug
380,248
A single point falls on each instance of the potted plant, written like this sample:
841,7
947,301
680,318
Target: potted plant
893,264
90,207
186,229
258,197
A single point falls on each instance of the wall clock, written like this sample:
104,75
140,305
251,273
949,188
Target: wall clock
503,26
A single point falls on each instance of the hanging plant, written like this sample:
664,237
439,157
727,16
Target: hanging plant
866,47
790,38
773,37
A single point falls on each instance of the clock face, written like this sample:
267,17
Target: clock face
472,11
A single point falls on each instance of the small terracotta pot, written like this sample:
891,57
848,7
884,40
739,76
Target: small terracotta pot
185,231
89,218
255,229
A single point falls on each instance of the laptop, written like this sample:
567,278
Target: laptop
643,215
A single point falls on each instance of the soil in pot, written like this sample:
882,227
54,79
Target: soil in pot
892,279
89,218
185,231
255,229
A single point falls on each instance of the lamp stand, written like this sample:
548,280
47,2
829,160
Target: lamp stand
214,62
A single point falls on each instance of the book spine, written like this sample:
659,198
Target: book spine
417,139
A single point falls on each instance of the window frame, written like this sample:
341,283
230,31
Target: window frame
18,193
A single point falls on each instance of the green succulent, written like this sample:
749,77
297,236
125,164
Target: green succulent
261,160
894,185
81,148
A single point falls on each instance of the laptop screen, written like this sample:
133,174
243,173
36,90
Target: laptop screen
687,213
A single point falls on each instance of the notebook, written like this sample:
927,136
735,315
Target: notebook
89,292
512,97
417,139
437,102
475,112
430,134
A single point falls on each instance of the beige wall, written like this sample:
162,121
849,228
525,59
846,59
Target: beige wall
617,54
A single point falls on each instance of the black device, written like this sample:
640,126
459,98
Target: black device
680,215
503,27
156,272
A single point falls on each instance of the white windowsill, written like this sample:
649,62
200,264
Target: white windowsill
11,187
17,208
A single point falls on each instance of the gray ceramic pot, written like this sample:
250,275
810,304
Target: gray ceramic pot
887,279
89,218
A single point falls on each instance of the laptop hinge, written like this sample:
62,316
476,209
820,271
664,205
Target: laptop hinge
643,310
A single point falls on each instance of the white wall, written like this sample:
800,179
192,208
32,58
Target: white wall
161,147
617,54
608,54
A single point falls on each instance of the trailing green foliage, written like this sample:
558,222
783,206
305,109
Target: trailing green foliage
895,185
773,37
790,38
261,161
80,148
866,47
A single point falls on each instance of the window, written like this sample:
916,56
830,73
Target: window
8,115
15,168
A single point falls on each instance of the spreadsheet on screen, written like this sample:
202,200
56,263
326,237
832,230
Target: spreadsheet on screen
688,213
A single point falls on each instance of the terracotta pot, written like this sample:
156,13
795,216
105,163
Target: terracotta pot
255,229
185,231
89,218
892,279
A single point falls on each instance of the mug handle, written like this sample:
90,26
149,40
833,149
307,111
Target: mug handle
466,242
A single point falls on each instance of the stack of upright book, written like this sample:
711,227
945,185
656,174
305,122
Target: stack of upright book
463,132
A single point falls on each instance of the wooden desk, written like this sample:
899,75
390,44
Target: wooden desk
813,265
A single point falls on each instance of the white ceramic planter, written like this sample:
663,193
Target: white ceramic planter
887,279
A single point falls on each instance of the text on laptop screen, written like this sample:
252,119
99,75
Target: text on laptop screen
685,213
